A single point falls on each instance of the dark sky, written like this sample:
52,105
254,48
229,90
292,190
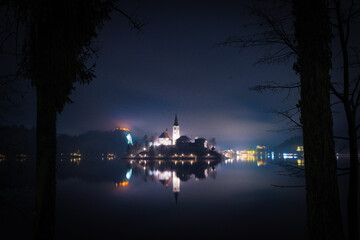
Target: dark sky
174,66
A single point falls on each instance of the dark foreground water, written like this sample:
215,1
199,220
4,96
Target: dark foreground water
164,200
119,199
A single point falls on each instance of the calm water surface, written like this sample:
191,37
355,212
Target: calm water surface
102,199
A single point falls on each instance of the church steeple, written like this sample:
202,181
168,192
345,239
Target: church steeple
176,130
176,121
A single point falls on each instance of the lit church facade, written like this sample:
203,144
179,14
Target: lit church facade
166,139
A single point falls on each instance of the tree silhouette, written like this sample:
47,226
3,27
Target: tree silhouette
313,37
56,52
279,41
349,97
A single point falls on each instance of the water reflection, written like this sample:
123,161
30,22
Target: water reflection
121,173
169,171
96,196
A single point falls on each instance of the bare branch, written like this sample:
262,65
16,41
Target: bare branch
289,116
335,103
343,138
334,91
341,148
133,21
356,103
342,174
279,30
285,130
287,186
274,87
276,35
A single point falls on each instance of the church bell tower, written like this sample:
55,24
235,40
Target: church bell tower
176,130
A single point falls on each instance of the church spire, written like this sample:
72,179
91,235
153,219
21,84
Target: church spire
176,121
176,130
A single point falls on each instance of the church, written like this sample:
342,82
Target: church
166,139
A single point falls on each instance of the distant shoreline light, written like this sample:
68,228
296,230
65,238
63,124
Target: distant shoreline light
123,129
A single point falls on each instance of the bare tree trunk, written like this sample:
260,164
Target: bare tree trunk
45,193
343,27
313,35
352,207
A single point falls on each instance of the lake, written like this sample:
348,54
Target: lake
99,198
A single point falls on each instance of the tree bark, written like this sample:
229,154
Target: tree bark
45,193
313,35
352,204
350,111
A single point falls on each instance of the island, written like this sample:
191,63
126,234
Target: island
176,147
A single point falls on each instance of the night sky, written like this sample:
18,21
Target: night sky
175,66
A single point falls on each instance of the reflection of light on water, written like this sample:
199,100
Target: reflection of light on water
75,160
21,157
176,182
2,157
122,184
229,161
261,163
165,175
110,156
128,174
290,155
246,155
300,162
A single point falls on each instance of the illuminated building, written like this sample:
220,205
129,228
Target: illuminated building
300,149
123,129
176,146
127,135
176,130
129,138
260,147
164,139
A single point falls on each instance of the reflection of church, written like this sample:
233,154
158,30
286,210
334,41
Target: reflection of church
174,172
165,177
176,185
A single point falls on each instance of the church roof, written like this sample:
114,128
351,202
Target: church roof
183,139
165,135
176,121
